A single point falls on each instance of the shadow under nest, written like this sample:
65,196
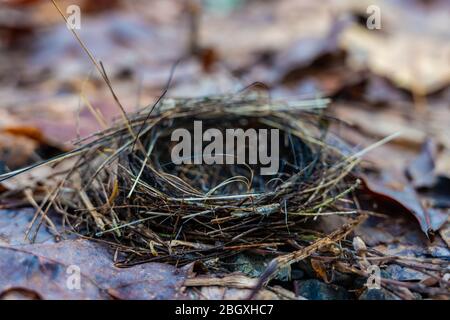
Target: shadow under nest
126,190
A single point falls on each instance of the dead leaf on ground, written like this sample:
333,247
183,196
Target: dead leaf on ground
319,267
14,224
421,170
43,268
403,194
230,287
412,51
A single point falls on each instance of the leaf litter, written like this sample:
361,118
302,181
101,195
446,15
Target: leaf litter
93,199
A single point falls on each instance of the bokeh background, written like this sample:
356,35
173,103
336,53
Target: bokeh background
381,81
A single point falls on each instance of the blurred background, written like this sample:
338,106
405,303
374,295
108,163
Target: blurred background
385,75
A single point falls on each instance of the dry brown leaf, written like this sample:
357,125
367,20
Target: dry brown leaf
321,270
417,63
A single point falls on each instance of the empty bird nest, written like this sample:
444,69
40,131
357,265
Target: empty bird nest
122,185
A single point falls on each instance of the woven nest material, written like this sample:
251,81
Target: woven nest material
125,189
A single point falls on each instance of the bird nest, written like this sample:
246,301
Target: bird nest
125,188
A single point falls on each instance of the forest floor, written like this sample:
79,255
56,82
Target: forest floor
381,82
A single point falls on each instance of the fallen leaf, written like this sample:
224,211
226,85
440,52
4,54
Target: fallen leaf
44,268
230,287
420,170
413,59
225,293
404,195
289,21
397,272
45,277
14,224
17,151
319,267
